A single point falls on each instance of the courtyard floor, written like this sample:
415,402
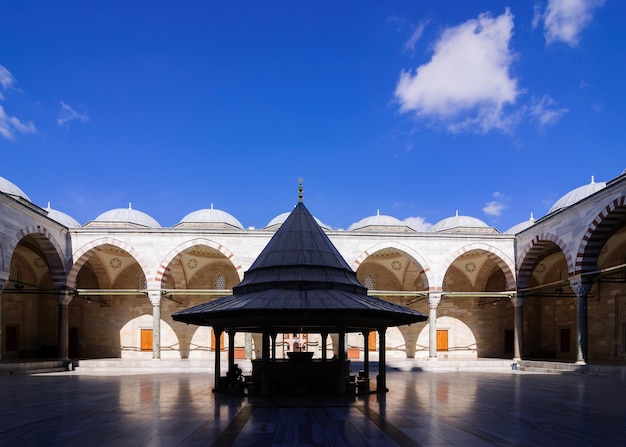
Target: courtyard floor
421,409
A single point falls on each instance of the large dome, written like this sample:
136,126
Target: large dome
11,189
64,219
124,217
461,224
521,226
577,195
211,217
380,222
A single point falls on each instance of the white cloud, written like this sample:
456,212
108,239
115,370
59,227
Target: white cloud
417,223
496,207
416,36
543,111
467,83
69,114
564,20
6,78
10,124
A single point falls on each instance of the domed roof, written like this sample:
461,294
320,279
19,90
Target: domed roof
210,216
379,222
11,189
64,219
278,221
125,217
457,224
521,226
577,195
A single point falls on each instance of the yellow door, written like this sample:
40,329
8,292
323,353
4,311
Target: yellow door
442,340
146,339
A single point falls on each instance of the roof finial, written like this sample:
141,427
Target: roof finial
211,205
532,217
48,205
130,205
457,213
593,179
300,189
377,212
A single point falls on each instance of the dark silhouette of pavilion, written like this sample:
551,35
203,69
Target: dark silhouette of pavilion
300,283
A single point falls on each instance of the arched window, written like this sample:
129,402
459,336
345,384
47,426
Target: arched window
370,282
219,282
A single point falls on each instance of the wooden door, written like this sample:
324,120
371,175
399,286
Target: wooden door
372,341
11,338
146,339
442,339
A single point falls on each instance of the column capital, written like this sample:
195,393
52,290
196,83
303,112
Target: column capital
65,297
155,297
434,298
518,301
580,286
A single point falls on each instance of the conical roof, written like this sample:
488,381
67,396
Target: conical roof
299,283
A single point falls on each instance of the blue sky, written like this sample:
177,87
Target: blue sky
417,109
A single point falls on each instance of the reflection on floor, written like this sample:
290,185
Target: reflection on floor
421,408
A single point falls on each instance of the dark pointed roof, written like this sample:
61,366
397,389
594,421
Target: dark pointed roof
299,283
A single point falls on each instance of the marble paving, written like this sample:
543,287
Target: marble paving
421,409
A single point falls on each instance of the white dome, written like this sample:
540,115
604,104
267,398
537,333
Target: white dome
11,189
454,223
127,216
379,222
278,221
211,216
577,195
64,219
521,226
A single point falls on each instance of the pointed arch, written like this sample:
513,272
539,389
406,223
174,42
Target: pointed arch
164,270
50,247
504,262
597,234
530,256
81,257
425,273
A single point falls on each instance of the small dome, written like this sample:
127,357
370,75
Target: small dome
278,221
380,222
64,219
521,226
210,216
125,217
457,224
11,189
577,195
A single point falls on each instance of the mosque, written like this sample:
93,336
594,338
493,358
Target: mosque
551,288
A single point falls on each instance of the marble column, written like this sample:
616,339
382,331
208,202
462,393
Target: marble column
155,299
342,362
217,334
366,354
2,284
581,289
381,383
433,302
64,299
518,324
231,350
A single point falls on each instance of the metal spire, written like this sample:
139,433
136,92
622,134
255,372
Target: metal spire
300,189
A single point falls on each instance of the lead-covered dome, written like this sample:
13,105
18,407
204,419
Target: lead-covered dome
521,226
277,221
209,217
577,195
64,219
124,217
462,224
11,189
381,222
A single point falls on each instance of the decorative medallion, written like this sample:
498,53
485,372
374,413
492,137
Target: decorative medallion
38,262
470,267
192,263
396,265
115,263
541,267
